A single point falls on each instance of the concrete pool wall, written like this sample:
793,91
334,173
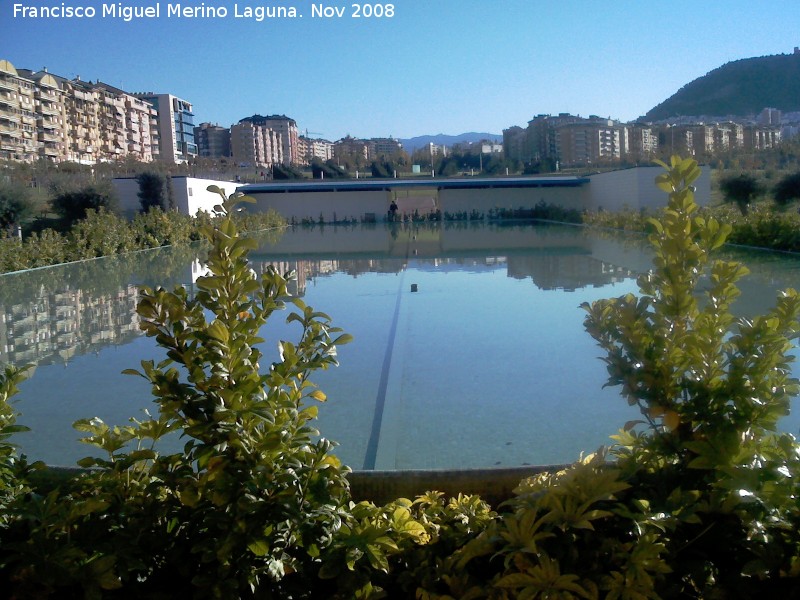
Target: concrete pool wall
632,189
369,199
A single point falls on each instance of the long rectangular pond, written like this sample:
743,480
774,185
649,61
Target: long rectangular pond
469,345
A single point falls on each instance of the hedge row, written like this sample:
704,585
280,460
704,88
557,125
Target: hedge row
104,233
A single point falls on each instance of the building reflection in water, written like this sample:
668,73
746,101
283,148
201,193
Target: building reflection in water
57,321
57,325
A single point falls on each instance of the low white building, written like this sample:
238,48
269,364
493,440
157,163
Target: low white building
190,194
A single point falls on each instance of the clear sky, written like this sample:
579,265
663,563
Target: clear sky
435,66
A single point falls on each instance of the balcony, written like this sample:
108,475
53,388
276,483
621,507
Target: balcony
49,110
5,84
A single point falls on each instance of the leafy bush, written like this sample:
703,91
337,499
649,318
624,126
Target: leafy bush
711,389
787,189
101,234
284,172
104,234
13,471
740,189
158,228
155,191
327,170
384,170
73,205
16,205
253,498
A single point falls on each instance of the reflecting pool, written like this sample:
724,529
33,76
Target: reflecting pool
469,345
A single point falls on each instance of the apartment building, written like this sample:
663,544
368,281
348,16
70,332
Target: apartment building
761,137
642,142
590,141
141,133
514,139
213,141
174,127
350,146
387,147
436,149
49,112
309,149
46,116
125,125
480,147
288,136
255,144
18,131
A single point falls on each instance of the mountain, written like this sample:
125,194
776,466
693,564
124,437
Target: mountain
742,87
411,144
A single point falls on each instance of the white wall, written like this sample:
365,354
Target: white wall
346,205
191,194
310,205
484,200
635,189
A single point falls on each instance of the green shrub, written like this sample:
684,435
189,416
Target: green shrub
16,205
13,470
696,500
740,189
101,233
253,498
74,205
158,228
155,191
787,189
711,389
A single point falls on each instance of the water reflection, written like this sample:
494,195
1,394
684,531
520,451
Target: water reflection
51,315
493,330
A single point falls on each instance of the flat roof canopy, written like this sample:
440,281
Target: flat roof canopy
371,185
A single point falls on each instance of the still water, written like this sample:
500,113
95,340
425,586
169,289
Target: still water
469,345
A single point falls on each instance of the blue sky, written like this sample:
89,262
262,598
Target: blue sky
436,66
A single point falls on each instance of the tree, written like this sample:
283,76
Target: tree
155,190
15,205
787,189
740,189
384,169
284,172
72,205
327,170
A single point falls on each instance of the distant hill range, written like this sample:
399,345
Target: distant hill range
411,144
742,87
